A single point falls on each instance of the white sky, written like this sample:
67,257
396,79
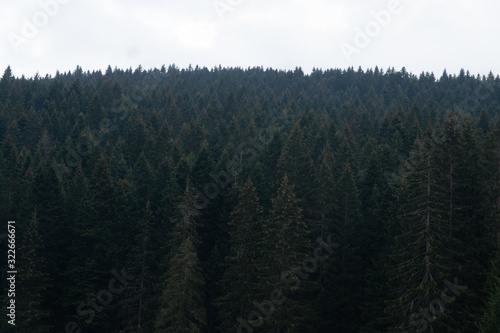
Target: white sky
422,35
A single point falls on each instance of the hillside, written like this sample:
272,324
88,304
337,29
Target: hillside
252,200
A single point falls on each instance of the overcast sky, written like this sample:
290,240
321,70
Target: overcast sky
421,35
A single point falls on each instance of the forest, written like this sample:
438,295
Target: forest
187,200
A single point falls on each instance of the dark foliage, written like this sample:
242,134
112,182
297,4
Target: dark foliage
230,199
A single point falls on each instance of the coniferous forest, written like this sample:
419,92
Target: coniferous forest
251,200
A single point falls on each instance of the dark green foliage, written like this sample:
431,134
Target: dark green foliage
240,279
490,321
344,277
285,246
270,156
182,308
147,171
140,295
34,282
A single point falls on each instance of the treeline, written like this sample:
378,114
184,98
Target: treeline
252,200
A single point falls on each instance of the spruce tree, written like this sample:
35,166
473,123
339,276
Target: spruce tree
326,193
141,298
285,246
490,321
465,215
49,203
297,164
343,279
143,178
6,84
182,304
270,156
10,179
183,309
421,262
239,282
33,282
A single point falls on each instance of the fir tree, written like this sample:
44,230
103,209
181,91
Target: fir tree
285,246
421,259
239,282
140,296
343,278
297,164
33,282
182,308
490,322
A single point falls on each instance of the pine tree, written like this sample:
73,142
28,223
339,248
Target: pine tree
6,84
103,211
483,122
143,177
285,247
297,164
10,179
182,308
421,259
33,282
270,156
490,321
185,219
241,275
346,152
77,196
210,124
97,249
377,207
137,140
140,296
49,204
465,215
163,142
200,173
326,192
343,279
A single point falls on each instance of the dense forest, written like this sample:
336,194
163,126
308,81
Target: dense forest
251,200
